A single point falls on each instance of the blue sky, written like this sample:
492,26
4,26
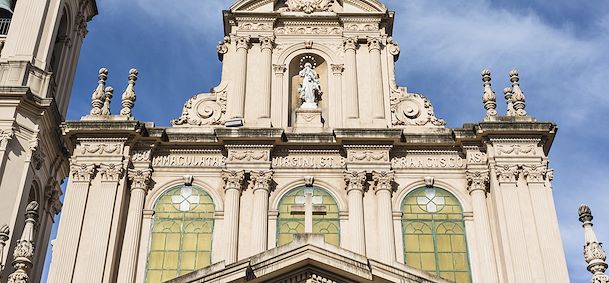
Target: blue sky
559,46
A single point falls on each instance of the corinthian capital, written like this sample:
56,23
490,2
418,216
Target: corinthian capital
5,136
383,180
139,178
111,172
507,173
355,180
233,179
374,43
261,180
81,172
267,42
477,179
350,43
535,173
242,42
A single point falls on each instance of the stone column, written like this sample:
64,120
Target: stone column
25,30
261,184
538,178
277,114
376,78
266,46
336,119
233,183
133,229
355,197
351,88
478,180
243,45
98,222
70,225
383,187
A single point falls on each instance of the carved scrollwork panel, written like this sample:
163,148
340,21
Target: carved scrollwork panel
204,109
412,109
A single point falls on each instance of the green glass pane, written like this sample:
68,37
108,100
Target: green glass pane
181,238
434,234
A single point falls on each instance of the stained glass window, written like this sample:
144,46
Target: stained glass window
181,238
304,205
434,234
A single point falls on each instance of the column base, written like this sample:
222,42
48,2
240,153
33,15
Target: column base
308,120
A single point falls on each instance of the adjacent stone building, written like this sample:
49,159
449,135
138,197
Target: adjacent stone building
307,163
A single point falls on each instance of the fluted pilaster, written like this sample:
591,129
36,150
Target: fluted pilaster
233,181
355,193
384,190
243,45
139,179
266,46
376,78
261,184
351,89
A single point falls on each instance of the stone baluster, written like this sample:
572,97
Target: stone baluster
129,97
594,254
70,226
384,190
92,268
266,46
478,180
518,98
139,179
355,197
376,78
97,99
489,98
243,45
261,184
108,93
24,251
233,181
4,232
351,89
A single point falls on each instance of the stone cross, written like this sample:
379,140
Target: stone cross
308,205
185,199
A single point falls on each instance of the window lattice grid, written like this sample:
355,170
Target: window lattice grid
434,234
326,223
181,238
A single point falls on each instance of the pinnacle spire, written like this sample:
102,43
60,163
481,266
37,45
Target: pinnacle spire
594,254
489,98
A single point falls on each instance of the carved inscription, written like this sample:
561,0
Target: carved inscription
188,161
314,162
428,162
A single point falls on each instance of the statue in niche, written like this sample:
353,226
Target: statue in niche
310,88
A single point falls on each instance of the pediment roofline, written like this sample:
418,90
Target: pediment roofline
250,5
310,252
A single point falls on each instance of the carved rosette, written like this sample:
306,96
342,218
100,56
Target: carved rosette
355,180
233,179
507,173
412,109
111,172
82,172
383,180
308,6
477,180
139,178
261,180
204,109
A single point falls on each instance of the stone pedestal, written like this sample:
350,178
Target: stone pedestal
308,120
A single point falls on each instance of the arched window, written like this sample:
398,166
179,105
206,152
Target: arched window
181,239
434,234
308,210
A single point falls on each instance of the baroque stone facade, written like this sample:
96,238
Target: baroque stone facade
307,163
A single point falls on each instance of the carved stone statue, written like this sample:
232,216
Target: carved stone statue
310,88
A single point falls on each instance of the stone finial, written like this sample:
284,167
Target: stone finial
594,254
518,98
489,98
97,99
24,251
507,93
108,92
129,94
4,232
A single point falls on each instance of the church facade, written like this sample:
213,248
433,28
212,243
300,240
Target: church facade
307,163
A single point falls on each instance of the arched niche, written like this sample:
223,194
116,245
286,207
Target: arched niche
321,66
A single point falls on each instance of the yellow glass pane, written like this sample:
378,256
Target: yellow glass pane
171,260
169,274
445,261
189,242
173,242
458,243
462,277
461,262
188,260
203,259
414,260
443,243
204,242
448,275
428,261
332,239
153,276
426,243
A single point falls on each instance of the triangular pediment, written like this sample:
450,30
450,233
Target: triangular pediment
308,259
345,6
